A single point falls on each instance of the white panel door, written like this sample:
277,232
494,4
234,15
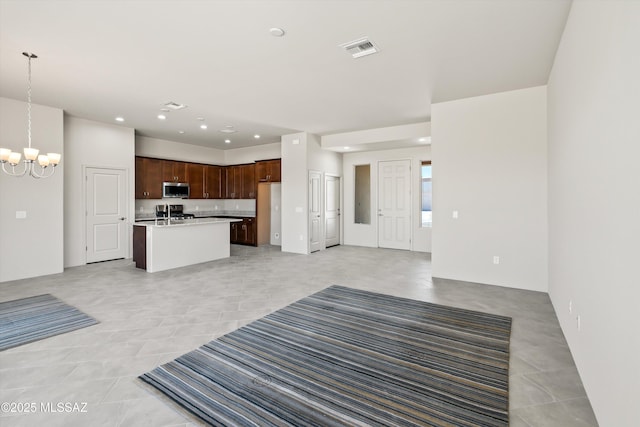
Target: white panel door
316,242
331,211
394,204
106,214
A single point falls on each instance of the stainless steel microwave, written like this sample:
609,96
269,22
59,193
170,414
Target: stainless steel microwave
178,190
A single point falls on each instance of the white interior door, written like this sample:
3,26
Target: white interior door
106,209
316,242
331,211
394,204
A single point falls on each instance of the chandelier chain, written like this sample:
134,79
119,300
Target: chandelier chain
29,104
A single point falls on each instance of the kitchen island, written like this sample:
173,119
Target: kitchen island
164,244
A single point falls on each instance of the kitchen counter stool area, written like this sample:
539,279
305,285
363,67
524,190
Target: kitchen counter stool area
165,244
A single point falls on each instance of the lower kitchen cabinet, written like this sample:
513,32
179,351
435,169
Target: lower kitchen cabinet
245,232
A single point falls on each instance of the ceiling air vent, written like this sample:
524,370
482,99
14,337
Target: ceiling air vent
175,105
360,47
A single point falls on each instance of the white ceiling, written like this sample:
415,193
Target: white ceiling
102,59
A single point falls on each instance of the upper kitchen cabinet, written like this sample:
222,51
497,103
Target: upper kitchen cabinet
213,182
240,182
248,190
204,181
148,178
233,182
195,172
173,171
268,170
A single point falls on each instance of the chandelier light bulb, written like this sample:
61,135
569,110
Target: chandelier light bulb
14,158
4,154
54,158
31,153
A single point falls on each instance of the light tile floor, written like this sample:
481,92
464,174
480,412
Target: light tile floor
148,319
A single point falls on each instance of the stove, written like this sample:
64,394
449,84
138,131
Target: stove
172,211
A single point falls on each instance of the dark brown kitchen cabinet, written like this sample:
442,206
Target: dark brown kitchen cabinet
213,182
244,233
240,182
249,232
195,172
148,178
173,171
268,170
233,181
235,226
248,176
204,181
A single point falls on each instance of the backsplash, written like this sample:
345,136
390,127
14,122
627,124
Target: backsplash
147,207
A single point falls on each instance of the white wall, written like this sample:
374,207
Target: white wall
377,137
489,164
93,144
326,161
238,156
32,246
295,178
163,149
594,201
367,234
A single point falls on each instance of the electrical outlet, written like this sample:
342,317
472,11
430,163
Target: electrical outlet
496,259
454,214
570,306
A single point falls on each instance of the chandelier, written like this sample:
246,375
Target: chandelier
41,170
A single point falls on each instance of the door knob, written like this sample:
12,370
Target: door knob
122,219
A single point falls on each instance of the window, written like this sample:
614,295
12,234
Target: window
425,190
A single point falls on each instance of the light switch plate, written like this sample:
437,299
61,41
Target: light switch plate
21,214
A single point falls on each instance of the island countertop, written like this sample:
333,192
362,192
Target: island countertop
185,222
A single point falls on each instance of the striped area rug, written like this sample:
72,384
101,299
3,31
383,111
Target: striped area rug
34,318
345,357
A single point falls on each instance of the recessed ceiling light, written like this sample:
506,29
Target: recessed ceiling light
256,136
200,119
119,119
228,130
227,141
180,131
162,116
346,148
276,32
203,126
425,139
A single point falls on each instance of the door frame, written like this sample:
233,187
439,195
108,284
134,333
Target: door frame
321,243
324,208
85,180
